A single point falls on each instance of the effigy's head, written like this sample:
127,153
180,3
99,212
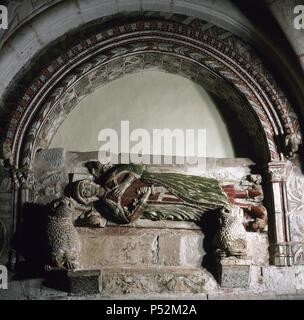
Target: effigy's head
87,191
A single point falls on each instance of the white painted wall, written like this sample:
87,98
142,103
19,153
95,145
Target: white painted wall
149,100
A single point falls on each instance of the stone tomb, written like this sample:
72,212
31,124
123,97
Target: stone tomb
145,256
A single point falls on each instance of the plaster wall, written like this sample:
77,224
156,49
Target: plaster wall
148,100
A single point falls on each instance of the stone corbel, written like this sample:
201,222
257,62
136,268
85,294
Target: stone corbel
280,248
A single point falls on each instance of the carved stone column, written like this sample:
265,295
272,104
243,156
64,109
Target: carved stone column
23,184
6,207
280,248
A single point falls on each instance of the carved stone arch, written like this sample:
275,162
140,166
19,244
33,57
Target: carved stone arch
59,80
65,98
172,47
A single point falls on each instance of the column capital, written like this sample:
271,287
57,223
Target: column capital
277,171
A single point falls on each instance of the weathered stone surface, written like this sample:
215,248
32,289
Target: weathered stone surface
234,273
84,282
277,280
155,280
52,158
159,282
123,246
117,246
161,224
280,280
298,250
256,279
244,295
29,289
14,292
169,250
181,249
299,278
192,249
50,186
258,248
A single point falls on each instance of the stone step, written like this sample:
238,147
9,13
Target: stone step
126,246
117,281
156,280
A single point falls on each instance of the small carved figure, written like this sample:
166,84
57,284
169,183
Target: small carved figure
231,239
292,143
63,238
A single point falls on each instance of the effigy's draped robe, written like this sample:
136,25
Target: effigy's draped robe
198,194
186,199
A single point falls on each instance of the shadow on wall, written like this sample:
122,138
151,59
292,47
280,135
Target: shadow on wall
209,224
31,242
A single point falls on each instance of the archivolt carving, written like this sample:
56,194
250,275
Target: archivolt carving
141,41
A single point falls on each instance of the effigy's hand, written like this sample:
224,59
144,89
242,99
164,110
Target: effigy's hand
142,190
145,196
120,189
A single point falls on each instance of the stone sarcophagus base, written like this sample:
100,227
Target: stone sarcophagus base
157,257
154,245
147,257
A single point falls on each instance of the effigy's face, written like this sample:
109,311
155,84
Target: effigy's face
89,190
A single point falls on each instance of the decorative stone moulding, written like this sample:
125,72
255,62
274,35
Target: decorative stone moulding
169,46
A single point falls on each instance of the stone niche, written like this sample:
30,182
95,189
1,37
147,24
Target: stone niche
145,256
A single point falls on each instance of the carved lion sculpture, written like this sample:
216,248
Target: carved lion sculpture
231,239
63,238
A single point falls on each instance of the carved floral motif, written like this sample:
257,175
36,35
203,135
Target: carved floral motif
295,187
